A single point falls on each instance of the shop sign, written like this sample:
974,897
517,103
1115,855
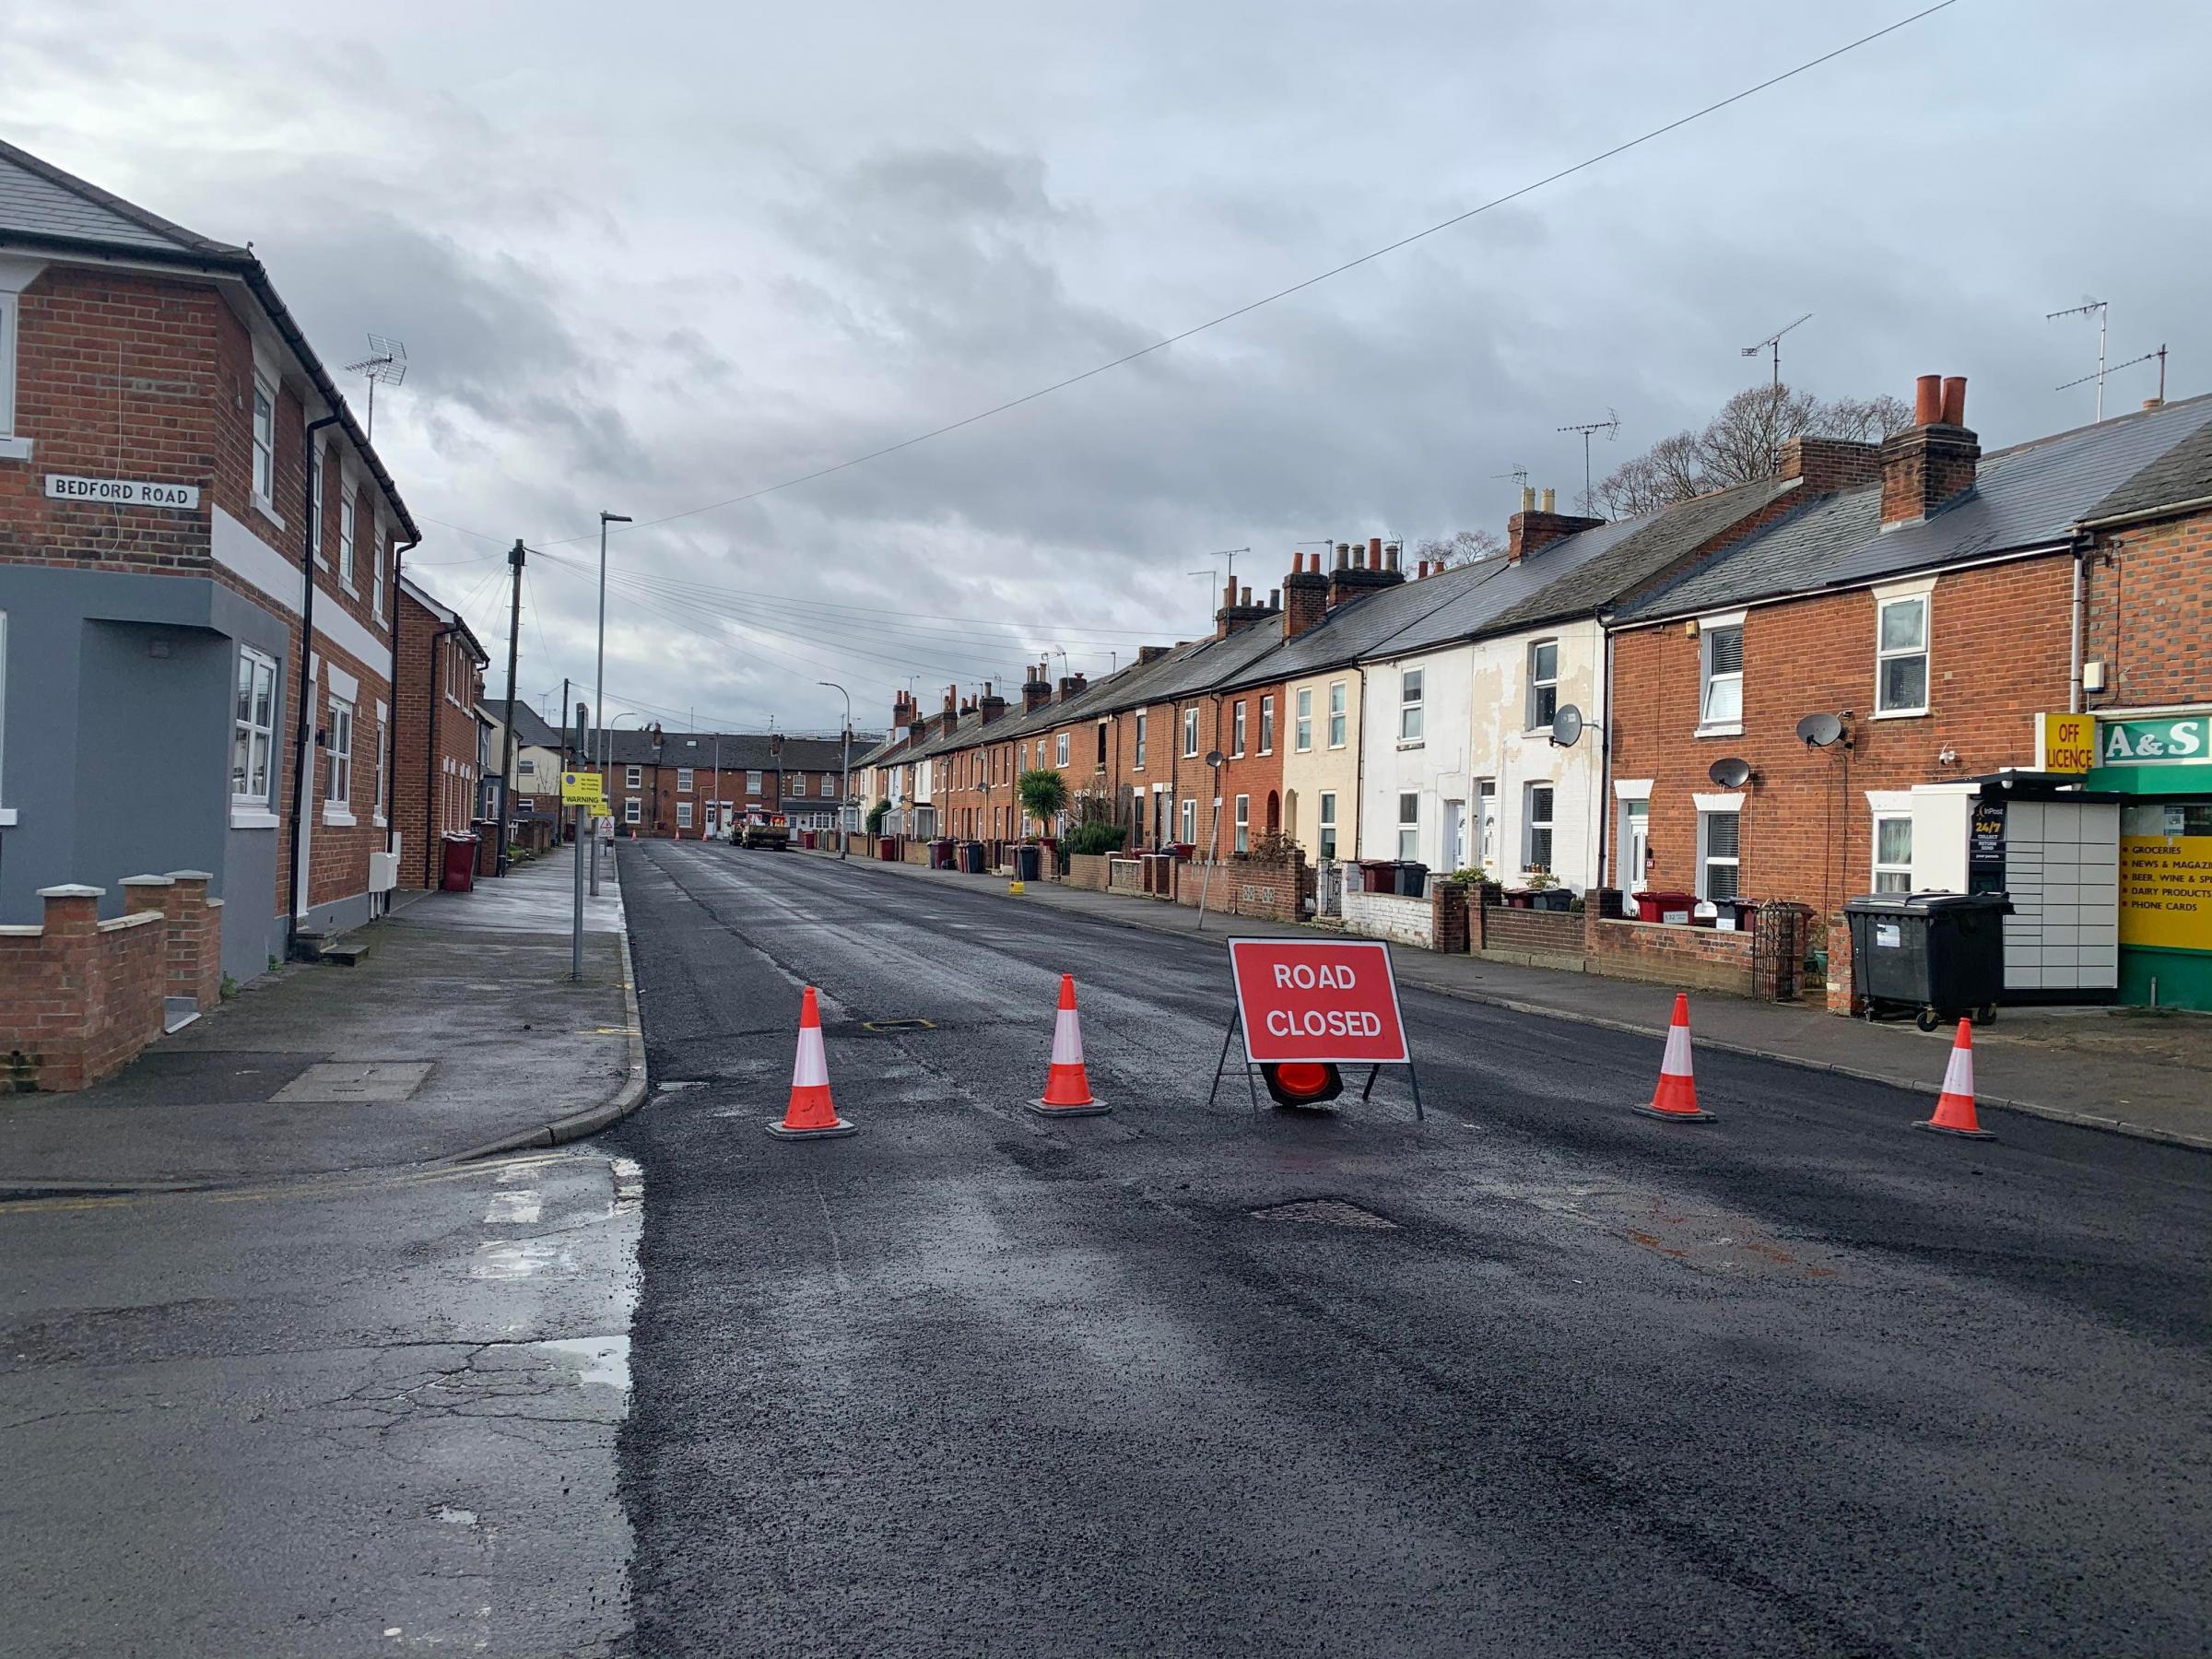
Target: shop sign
2066,743
2166,892
2165,741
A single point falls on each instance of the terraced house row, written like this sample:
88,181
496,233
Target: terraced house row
1849,676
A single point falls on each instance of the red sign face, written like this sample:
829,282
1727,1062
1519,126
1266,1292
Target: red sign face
1331,1000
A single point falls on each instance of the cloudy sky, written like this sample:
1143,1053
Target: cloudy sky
649,258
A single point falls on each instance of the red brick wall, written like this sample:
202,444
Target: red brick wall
1246,887
1088,871
1998,638
1540,933
2147,603
432,730
1693,958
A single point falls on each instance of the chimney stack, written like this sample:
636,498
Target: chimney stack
1364,573
1037,690
1151,653
1536,527
1305,595
1237,613
1826,465
1344,555
990,705
1932,463
1071,685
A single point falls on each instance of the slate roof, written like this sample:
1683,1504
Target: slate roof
738,751
2182,474
532,730
2032,495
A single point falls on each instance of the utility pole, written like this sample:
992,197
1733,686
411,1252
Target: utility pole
582,819
515,639
844,803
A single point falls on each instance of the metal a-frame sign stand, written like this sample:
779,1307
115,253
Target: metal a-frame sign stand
1253,1073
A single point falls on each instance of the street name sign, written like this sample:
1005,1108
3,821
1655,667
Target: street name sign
1318,1002
120,492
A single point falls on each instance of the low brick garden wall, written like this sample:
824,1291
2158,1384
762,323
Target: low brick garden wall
1694,959
1247,887
1540,938
1389,916
1090,871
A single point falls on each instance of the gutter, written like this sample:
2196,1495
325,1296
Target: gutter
301,712
2172,510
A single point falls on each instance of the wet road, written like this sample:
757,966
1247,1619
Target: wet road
1797,1382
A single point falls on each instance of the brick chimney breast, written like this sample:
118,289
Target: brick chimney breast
1036,690
1305,595
1360,569
1931,464
1532,529
1827,464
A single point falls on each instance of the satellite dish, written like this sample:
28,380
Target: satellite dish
1730,773
1820,730
1214,756
1567,725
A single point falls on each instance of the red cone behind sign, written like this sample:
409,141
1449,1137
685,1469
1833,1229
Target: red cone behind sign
1955,1107
810,1115
1676,1096
1067,1086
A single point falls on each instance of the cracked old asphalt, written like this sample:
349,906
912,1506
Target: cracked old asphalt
1797,1382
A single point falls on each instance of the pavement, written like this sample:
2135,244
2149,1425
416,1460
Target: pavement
1537,1376
2129,1070
459,1030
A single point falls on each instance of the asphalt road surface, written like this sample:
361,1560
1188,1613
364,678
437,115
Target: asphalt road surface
1541,1377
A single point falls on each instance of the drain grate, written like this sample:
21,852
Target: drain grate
897,1025
1324,1212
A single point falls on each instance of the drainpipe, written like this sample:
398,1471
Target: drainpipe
301,727
2081,554
429,758
391,731
1359,736
1604,754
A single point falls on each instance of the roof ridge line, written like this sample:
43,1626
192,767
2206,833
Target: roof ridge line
144,217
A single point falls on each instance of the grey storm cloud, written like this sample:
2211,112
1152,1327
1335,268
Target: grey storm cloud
662,265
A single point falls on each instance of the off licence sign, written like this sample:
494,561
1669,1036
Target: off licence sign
1333,1001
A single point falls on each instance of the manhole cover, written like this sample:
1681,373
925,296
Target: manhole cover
1324,1212
378,1081
897,1025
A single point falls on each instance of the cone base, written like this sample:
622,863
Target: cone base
1087,1109
831,1133
1936,1128
1698,1116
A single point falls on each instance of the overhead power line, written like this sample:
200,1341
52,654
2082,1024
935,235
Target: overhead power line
1229,316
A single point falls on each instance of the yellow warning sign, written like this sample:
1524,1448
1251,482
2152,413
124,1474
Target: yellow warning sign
2166,892
581,789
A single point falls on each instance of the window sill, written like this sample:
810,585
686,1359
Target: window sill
252,818
1726,728
379,820
338,819
1900,713
1411,743
14,449
7,818
268,509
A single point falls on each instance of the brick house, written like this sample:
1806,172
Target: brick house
1921,594
688,785
438,767
180,486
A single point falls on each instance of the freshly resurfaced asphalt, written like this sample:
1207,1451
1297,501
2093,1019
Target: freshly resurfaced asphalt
1797,1381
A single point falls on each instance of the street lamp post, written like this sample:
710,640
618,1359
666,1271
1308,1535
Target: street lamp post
845,796
599,685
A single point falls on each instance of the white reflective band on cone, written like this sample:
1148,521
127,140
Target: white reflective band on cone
1676,1063
1959,1076
1068,1039
812,1069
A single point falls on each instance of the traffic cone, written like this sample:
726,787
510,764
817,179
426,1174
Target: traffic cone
1066,1086
1955,1107
810,1115
1676,1096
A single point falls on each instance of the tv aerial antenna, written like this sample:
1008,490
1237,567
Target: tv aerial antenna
2083,310
1772,344
2084,380
388,363
1610,426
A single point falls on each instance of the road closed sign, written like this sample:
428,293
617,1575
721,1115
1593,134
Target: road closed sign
1329,1001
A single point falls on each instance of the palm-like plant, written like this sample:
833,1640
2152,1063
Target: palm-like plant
1043,794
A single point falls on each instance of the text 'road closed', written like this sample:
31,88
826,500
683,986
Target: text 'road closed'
1333,1001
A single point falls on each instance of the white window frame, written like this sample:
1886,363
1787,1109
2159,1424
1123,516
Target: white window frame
1409,825
1190,731
1324,826
1267,724
376,593
1921,594
1302,726
1242,820
337,750
1898,874
1533,825
8,326
632,810
1060,750
314,511
1711,724
1337,713
249,807
752,783
1190,821
1139,766
798,784
683,815
1236,731
683,780
264,443
1539,683
1412,715
1711,807
633,777
344,535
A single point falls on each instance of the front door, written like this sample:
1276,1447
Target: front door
1486,825
1636,841
1455,835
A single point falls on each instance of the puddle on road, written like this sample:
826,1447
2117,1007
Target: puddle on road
597,1360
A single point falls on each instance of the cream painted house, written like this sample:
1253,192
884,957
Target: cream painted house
1320,762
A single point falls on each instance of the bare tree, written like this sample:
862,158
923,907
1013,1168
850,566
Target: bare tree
1740,443
1464,547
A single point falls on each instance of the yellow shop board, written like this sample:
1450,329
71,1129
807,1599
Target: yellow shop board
2166,892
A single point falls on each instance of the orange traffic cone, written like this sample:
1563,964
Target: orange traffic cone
1955,1106
1066,1086
1676,1096
810,1115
